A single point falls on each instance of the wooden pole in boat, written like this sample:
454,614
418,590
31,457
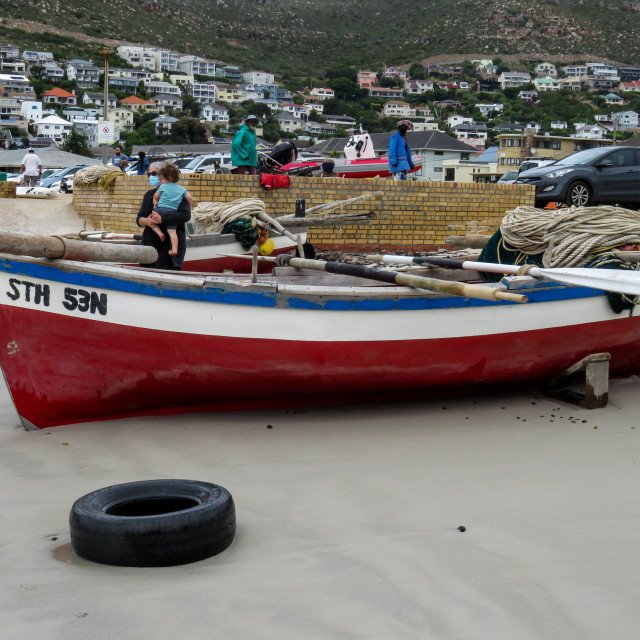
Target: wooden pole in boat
465,290
297,239
616,280
22,244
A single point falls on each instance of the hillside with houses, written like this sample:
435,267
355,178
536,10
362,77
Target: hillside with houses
157,97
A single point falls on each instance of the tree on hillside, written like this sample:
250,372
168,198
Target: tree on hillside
188,131
271,129
416,71
190,106
341,72
37,71
388,83
77,143
346,88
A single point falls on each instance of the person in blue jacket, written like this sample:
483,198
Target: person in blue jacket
400,152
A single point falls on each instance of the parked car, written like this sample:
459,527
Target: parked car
66,184
202,164
604,175
54,181
534,163
222,164
508,178
47,173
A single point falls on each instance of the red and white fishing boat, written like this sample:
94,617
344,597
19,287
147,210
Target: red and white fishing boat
360,161
88,341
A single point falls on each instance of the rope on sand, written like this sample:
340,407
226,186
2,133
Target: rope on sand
570,237
215,215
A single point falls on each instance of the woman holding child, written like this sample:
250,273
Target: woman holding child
156,233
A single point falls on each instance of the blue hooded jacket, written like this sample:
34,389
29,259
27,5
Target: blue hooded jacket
399,157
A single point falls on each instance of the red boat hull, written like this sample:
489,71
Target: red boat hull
108,375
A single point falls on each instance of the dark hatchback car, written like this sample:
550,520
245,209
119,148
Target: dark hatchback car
605,175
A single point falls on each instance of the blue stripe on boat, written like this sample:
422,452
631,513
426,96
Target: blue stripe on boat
539,292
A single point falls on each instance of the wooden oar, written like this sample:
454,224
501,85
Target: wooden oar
404,279
615,280
22,244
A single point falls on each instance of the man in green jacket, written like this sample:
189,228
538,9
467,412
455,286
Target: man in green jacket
243,148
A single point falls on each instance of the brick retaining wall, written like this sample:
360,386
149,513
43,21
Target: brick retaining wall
411,215
8,189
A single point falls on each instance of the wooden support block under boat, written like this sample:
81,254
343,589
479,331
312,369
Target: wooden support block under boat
53,247
595,368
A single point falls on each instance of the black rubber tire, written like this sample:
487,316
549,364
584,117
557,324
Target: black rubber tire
579,194
153,523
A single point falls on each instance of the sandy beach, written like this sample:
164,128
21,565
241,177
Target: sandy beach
348,521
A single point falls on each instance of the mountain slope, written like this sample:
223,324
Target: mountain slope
296,36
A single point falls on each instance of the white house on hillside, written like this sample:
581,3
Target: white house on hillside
84,73
546,69
513,79
322,93
625,119
212,112
31,110
53,127
418,86
488,108
164,124
546,84
157,86
398,109
258,78
195,64
288,121
455,120
590,131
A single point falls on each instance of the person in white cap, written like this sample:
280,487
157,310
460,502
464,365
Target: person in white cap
31,168
244,155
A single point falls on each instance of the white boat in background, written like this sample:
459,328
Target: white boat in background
36,192
212,252
216,252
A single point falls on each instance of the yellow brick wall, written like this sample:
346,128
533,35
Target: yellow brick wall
8,189
411,215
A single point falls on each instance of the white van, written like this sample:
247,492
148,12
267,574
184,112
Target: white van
534,163
204,164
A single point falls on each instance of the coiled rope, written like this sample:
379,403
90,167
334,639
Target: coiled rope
103,174
213,216
570,238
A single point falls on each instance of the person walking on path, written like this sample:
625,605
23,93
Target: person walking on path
31,168
400,152
244,155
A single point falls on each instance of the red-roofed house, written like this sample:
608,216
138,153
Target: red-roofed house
59,96
138,104
322,93
634,85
